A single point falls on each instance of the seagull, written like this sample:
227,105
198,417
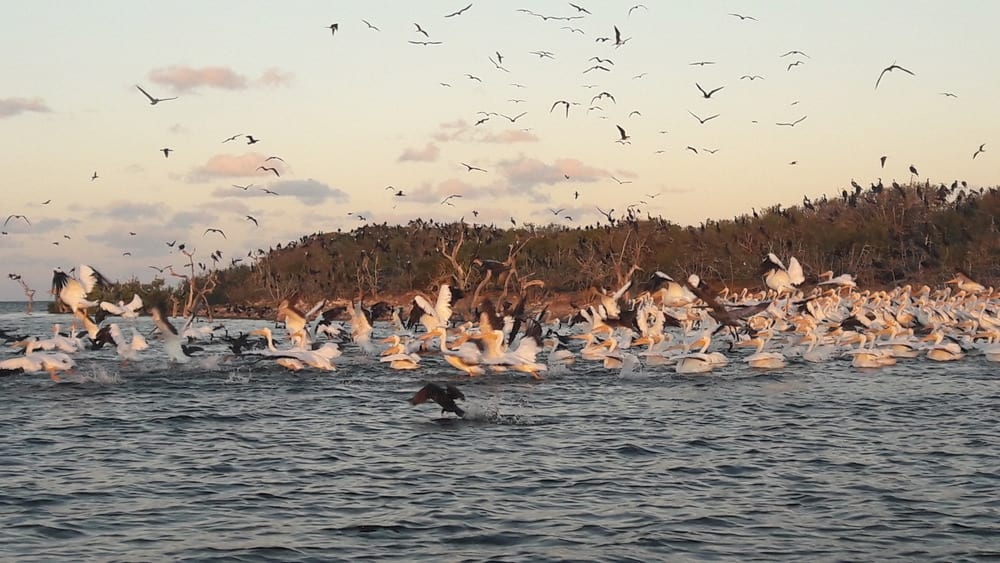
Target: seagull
882,160
153,101
603,95
233,138
48,201
948,95
618,34
213,230
421,30
370,26
333,28
515,118
751,78
796,53
274,158
742,17
621,181
794,123
692,149
890,68
251,218
251,140
700,120
471,168
557,102
982,148
94,177
9,217
458,13
635,7
269,168
445,200
708,95
702,63
166,152
624,137
244,188
473,77
426,42
796,63
579,9
443,396
267,191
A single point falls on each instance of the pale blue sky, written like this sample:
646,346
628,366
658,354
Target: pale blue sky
360,110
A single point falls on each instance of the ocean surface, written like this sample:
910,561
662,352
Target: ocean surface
216,461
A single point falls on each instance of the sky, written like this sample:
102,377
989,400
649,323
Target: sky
358,115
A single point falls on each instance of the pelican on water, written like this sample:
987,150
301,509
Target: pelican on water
73,292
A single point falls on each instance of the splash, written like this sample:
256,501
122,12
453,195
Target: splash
235,377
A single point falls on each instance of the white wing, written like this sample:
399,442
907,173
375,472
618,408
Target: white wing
88,277
795,274
442,310
135,304
112,308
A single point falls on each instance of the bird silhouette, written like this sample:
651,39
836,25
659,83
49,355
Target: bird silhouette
251,140
93,177
471,168
794,123
982,148
707,95
9,217
443,396
421,30
751,77
700,120
624,136
269,169
153,101
459,12
796,63
166,152
742,17
251,218
882,160
913,170
796,53
891,68
213,230
333,28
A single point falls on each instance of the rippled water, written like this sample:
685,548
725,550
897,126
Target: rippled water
151,462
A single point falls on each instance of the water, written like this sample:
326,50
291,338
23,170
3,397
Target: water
156,462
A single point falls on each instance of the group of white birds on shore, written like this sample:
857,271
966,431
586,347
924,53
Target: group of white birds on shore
669,324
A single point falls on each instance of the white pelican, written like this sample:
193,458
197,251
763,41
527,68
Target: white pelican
467,358
295,320
361,328
171,338
964,283
74,292
941,351
126,311
438,314
779,278
761,359
37,362
319,358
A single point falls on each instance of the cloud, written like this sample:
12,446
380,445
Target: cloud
275,77
13,106
128,211
434,194
427,154
310,192
232,166
530,172
508,136
185,79
460,131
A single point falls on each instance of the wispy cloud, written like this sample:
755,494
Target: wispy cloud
127,211
461,131
429,153
310,192
186,79
232,166
436,193
13,106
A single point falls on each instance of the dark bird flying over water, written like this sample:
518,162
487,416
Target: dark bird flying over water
443,396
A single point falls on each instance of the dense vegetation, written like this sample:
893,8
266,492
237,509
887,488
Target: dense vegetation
884,235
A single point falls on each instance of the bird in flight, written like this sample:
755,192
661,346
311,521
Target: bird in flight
707,95
274,158
913,170
213,230
692,149
443,396
618,34
426,42
244,188
153,101
421,30
166,152
702,63
370,26
637,6
882,160
579,9
269,168
333,28
948,95
515,118
796,53
794,123
557,102
742,17
982,148
700,120
233,138
94,177
446,200
267,191
48,201
471,168
621,181
796,63
751,77
891,68
624,138
458,13
251,140
251,218
9,217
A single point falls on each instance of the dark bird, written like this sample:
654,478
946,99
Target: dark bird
890,68
700,120
370,26
557,102
636,7
251,218
913,170
153,101
458,13
274,158
172,243
707,95
251,140
948,95
751,77
270,169
233,138
618,34
473,77
603,95
267,191
621,181
882,160
692,149
426,42
166,152
796,63
515,118
794,123
742,17
126,253
702,63
579,9
244,188
445,397
447,199
982,148
796,53
9,217
710,151
48,201
624,136
333,28
94,177
421,30
471,168
212,230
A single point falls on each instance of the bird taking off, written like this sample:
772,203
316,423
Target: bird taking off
443,396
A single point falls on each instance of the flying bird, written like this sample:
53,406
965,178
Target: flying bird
637,6
982,148
742,17
48,201
618,34
796,53
794,123
707,95
624,136
751,77
251,218
153,101
796,63
913,170
269,168
421,30
274,158
267,191
471,168
166,152
621,181
557,102
251,140
702,63
333,28
9,217
93,177
891,68
426,42
443,396
370,26
882,160
233,138
244,188
446,200
700,120
458,13
213,230
948,95
579,9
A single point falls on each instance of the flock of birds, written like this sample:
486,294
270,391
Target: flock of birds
667,324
